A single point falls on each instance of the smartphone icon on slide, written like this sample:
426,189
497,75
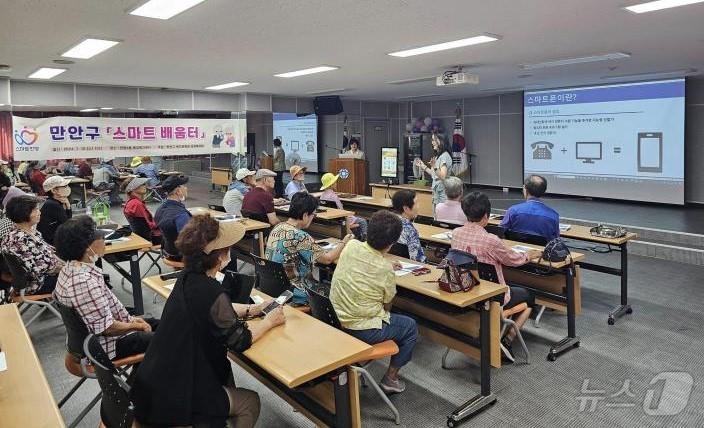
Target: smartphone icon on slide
650,152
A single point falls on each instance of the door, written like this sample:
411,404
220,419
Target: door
376,135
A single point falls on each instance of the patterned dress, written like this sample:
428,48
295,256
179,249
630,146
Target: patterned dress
288,242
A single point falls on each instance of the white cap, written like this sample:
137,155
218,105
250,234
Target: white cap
243,172
55,181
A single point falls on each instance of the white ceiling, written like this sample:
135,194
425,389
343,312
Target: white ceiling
221,41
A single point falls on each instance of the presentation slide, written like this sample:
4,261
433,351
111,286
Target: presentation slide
299,138
389,162
622,141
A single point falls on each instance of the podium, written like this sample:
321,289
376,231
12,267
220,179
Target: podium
353,175
266,162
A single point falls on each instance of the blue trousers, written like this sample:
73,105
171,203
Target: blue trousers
401,329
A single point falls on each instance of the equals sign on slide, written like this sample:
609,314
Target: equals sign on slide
617,150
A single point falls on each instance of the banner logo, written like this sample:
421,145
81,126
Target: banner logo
27,136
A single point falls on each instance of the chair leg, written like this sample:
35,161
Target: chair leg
31,320
444,359
23,310
512,324
72,391
536,321
364,373
85,411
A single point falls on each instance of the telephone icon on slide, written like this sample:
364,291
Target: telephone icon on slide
542,149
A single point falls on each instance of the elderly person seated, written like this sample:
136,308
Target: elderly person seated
6,225
232,201
451,210
298,174
148,170
26,243
81,286
56,209
137,213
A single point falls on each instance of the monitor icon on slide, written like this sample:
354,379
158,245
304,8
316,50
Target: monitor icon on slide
588,151
650,152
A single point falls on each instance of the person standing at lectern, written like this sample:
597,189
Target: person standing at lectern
279,168
354,149
441,164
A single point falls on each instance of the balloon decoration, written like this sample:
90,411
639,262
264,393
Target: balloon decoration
424,124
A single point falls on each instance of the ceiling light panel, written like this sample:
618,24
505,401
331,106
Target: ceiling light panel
653,6
476,40
306,71
89,48
164,9
46,73
578,60
226,86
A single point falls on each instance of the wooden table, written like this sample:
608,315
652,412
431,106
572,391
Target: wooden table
129,248
581,233
252,227
301,350
566,268
25,396
329,222
220,177
424,195
364,206
445,317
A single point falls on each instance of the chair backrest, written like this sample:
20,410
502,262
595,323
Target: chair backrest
495,229
140,226
271,276
239,286
216,207
322,309
116,408
400,250
528,238
446,224
255,216
76,330
20,277
487,272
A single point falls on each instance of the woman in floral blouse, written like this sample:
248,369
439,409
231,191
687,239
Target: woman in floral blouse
23,240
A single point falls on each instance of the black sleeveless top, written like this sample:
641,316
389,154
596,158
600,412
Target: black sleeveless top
185,367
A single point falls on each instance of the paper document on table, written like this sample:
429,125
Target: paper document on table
170,286
123,239
283,207
364,198
445,236
406,268
564,227
256,299
328,247
521,248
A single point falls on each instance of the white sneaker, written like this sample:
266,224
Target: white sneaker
392,386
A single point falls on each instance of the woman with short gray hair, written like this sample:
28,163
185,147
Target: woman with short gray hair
451,210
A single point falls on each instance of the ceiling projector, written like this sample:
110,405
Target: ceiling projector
449,78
